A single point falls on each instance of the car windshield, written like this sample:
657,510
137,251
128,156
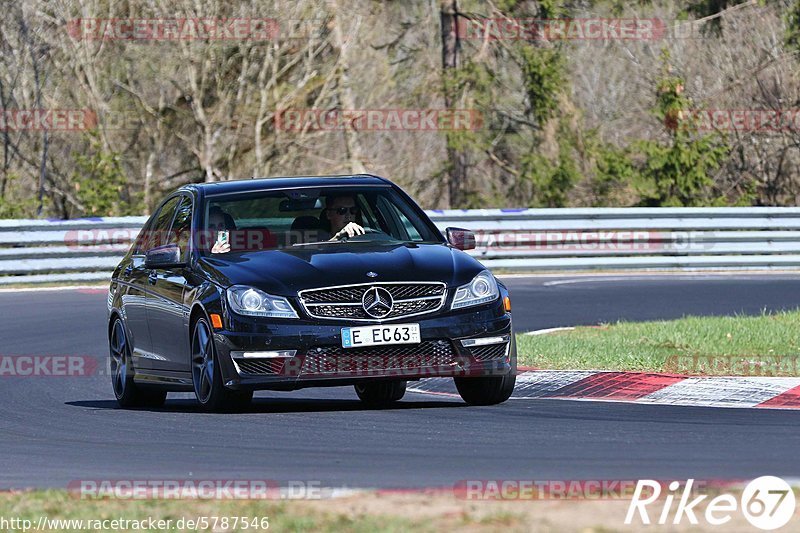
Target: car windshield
308,217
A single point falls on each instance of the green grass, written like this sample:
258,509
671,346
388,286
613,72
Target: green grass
280,516
358,515
768,344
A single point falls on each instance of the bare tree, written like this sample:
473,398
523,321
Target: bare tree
457,159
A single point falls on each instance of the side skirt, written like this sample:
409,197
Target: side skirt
165,380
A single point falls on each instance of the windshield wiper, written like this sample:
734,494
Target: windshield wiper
313,243
347,240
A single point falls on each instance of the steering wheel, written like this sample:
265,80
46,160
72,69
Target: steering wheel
367,231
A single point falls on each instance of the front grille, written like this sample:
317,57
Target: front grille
492,351
409,299
338,311
334,359
259,366
354,293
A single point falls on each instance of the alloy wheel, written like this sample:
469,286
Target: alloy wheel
119,358
202,361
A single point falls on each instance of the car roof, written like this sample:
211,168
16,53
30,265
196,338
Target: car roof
287,182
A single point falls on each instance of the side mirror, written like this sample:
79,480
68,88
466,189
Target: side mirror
461,239
167,256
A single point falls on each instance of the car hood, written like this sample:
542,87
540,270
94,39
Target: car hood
287,271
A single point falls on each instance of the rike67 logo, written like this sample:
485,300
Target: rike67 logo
767,503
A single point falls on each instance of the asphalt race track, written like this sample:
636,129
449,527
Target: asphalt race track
54,430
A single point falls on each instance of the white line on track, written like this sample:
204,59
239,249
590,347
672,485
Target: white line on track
45,289
561,278
548,330
681,277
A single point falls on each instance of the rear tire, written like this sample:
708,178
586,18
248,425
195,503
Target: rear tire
212,395
127,393
381,393
490,390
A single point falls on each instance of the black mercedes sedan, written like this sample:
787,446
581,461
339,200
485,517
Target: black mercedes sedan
286,283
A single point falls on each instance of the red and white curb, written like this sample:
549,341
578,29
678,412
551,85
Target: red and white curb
646,388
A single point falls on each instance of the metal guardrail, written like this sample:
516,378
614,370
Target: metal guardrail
633,238
81,250
35,251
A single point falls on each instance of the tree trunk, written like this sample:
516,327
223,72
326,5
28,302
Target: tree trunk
6,146
148,179
37,78
457,159
355,154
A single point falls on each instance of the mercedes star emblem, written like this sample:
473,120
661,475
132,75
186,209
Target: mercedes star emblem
377,302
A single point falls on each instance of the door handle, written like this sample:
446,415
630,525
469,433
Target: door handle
153,277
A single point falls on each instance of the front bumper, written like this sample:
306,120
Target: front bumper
293,354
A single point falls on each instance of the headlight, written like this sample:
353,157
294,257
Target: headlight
253,302
482,289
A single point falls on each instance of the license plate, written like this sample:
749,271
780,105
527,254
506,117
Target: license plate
374,335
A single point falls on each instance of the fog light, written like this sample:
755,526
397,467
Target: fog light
264,355
471,343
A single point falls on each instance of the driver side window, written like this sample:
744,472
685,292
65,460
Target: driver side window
159,231
182,227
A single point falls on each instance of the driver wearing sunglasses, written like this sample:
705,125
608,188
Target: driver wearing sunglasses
342,212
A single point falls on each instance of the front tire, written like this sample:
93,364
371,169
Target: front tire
382,393
490,390
212,395
127,393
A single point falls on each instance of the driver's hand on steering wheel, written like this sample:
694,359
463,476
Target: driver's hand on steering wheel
350,230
